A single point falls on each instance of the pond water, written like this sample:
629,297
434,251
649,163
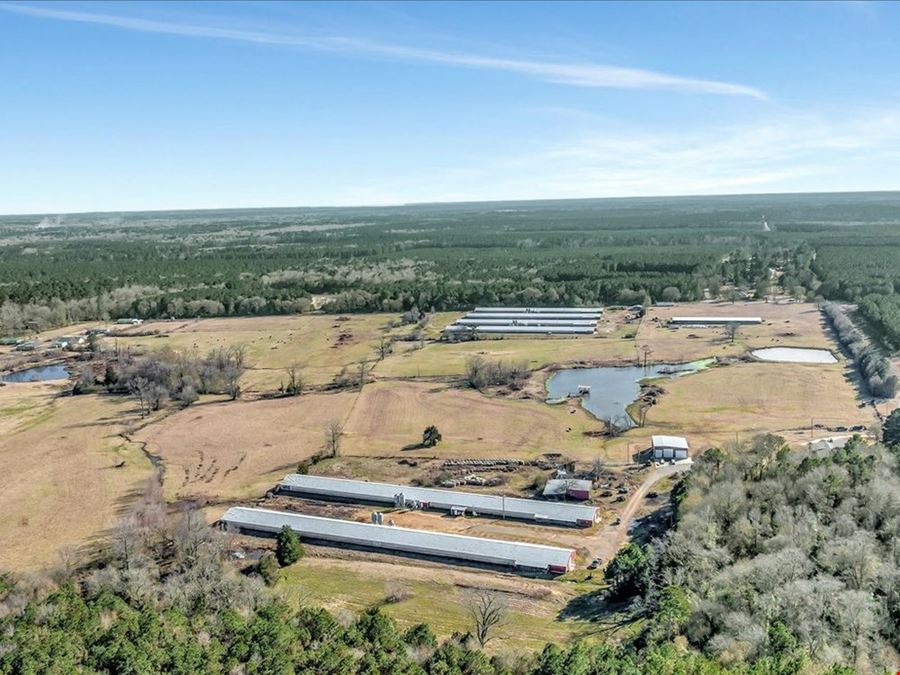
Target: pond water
794,355
613,389
38,374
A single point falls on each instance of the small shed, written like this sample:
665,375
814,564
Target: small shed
570,488
669,447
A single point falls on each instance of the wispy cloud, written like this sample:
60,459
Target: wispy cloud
572,74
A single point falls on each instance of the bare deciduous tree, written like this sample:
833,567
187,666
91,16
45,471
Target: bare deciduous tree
295,380
731,330
333,432
488,613
141,388
363,369
385,347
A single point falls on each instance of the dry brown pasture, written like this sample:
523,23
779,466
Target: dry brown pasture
391,415
320,345
67,475
784,325
233,450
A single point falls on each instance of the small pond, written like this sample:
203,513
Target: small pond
38,374
613,389
794,355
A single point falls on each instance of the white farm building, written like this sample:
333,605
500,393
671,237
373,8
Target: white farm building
342,489
526,320
509,554
669,447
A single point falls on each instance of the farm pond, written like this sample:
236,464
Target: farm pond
794,355
607,392
37,374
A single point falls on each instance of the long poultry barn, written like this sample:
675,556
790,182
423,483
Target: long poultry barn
343,489
560,321
509,554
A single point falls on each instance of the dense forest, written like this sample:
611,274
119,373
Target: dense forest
55,270
778,556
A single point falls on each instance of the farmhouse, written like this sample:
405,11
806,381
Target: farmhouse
129,322
714,320
551,513
509,554
669,447
570,488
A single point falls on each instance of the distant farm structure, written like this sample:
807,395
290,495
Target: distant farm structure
715,320
526,320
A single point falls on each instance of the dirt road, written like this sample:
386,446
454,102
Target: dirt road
611,538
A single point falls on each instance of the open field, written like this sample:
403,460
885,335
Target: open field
784,325
67,476
240,449
391,415
320,345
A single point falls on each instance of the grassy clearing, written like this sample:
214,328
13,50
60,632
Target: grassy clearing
391,415
68,475
439,597
757,397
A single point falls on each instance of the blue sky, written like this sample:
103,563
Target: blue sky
121,106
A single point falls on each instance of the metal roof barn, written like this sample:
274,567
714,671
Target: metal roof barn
517,555
536,321
538,330
715,320
669,442
538,310
559,316
344,489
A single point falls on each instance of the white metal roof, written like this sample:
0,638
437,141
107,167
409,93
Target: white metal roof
535,316
494,551
526,321
526,310
560,486
669,442
547,330
514,507
717,319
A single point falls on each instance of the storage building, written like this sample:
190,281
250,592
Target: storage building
569,488
669,447
343,489
509,554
